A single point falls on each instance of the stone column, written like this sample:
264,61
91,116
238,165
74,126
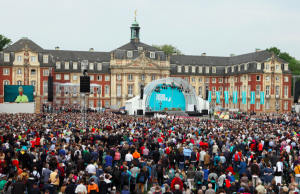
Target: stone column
136,84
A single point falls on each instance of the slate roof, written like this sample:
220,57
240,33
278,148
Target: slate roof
17,46
134,46
66,55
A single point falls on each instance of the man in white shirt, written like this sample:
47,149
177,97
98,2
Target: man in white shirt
90,169
128,158
202,154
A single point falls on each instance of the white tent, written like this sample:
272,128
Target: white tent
133,105
68,84
202,104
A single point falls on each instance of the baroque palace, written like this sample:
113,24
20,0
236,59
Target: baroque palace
119,72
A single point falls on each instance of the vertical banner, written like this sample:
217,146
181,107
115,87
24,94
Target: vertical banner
226,97
218,97
262,97
252,99
209,96
244,97
234,101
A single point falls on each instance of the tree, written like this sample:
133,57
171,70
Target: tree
4,42
168,49
285,56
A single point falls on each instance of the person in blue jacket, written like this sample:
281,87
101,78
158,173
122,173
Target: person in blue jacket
216,159
242,168
268,174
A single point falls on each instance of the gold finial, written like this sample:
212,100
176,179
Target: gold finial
135,14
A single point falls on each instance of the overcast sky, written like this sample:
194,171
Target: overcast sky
216,27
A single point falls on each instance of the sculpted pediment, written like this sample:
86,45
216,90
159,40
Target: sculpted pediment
142,61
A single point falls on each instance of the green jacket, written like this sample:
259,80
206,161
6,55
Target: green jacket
2,183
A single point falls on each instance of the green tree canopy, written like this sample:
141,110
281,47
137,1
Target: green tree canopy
168,49
4,42
282,55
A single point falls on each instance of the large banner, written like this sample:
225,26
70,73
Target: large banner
167,98
18,93
252,99
218,97
209,96
226,97
244,97
262,97
234,100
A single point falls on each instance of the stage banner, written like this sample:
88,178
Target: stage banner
218,97
262,97
252,99
234,101
244,97
209,96
226,97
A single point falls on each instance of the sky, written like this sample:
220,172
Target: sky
214,27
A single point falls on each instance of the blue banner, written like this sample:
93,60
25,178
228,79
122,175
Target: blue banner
262,97
209,96
252,99
226,97
244,97
218,97
234,101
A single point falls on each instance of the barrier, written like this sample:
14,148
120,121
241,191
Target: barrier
17,107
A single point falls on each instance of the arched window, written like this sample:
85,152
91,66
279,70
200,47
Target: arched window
33,72
19,82
6,82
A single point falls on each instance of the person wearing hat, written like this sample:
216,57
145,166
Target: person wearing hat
22,97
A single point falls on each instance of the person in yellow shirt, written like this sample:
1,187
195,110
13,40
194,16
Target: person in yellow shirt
22,97
54,177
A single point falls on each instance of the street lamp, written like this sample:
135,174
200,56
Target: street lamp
160,103
277,109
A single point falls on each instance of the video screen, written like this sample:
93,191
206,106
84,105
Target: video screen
18,93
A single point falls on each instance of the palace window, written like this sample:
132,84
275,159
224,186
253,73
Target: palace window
232,69
206,80
258,105
200,80
153,77
152,55
225,69
46,72
286,79
213,70
286,67
130,77
186,69
220,80
45,59
257,90
33,83
57,65
186,79
213,80
58,76
286,90
19,82
239,68
33,59
19,58
19,72
91,66
193,79
200,90
6,58
267,105
277,78
99,78
66,77
277,67
267,78
74,77
179,69
5,71
74,65
249,78
107,78
45,86
193,69
143,77
257,78
130,89
258,66
267,67
91,77
268,90
118,77
221,91
200,69
277,90
245,66
129,53
213,92
119,91
66,65
206,69
99,66
285,105
33,72
6,82
106,90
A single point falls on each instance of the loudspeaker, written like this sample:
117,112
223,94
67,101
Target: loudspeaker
85,84
50,89
204,111
296,92
206,93
142,93
140,112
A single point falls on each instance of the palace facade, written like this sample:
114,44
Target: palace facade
120,71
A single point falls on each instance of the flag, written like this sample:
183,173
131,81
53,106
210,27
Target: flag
209,96
244,97
262,97
226,97
218,97
252,100
234,101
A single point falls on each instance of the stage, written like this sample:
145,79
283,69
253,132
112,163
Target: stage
14,108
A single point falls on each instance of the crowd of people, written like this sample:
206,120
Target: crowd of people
112,153
74,108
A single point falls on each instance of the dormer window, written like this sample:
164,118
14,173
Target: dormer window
226,71
6,57
91,66
267,67
206,69
193,69
186,69
258,66
213,70
232,69
66,65
129,53
179,69
200,69
286,67
152,55
19,58
239,68
74,65
57,65
45,59
99,66
245,67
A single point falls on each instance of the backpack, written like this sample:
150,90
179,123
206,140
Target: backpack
236,157
12,169
198,177
232,179
159,168
142,179
168,151
125,179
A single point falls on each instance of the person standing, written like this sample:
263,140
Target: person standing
128,158
19,186
55,180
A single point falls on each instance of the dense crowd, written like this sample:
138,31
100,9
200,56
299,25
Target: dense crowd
111,153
